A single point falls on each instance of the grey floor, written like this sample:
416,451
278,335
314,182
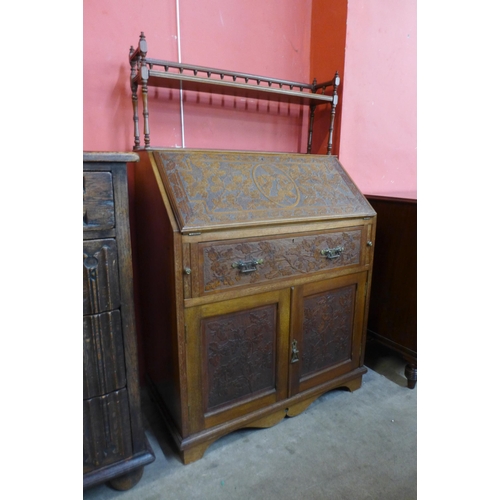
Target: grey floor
353,446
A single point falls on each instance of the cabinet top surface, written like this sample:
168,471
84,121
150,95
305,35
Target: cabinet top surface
109,156
222,189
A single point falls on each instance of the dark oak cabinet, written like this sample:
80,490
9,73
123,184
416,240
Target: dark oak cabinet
115,448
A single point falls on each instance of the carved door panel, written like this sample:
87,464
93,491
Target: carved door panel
327,327
237,357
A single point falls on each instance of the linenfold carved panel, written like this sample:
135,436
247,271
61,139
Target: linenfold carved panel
240,353
222,189
281,257
101,287
327,329
106,430
103,354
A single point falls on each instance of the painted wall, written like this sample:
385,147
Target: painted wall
265,39
290,39
109,28
379,127
328,36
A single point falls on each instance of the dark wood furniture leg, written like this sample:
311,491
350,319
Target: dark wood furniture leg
127,481
411,374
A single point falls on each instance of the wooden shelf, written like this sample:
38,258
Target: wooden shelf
147,72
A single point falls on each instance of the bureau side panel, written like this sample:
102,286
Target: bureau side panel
155,264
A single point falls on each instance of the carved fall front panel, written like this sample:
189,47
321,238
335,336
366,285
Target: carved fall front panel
220,189
281,257
240,350
327,329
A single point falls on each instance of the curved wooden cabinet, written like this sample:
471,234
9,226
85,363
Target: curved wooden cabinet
115,448
254,273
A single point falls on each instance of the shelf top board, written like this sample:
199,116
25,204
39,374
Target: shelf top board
225,189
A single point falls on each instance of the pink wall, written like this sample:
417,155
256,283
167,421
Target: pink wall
378,91
109,28
379,137
265,39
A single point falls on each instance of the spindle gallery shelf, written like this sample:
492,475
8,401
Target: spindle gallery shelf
147,72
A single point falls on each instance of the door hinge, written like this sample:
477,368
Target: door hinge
185,334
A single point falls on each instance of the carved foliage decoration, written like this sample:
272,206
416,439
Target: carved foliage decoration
327,329
282,257
240,354
214,189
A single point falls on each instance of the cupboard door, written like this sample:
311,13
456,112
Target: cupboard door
327,327
237,357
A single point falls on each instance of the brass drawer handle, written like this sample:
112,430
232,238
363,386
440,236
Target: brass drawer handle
332,253
247,266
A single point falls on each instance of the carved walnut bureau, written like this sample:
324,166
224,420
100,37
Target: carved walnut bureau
254,272
115,448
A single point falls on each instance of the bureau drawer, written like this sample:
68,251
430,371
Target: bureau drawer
101,285
237,263
103,354
98,204
106,430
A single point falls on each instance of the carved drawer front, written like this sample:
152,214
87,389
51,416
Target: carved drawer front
106,430
245,262
101,287
98,206
103,354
